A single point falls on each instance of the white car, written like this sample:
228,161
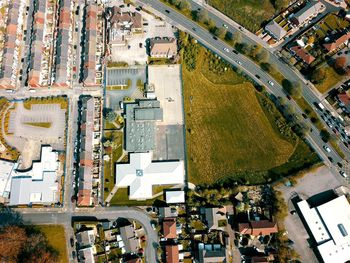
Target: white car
225,26
343,174
271,83
238,62
226,49
327,149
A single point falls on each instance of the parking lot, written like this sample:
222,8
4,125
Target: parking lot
312,183
117,76
43,124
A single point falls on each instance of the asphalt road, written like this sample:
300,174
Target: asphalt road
50,216
250,68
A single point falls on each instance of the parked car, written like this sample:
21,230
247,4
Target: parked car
225,26
71,242
343,174
226,49
257,76
326,148
271,83
167,11
215,38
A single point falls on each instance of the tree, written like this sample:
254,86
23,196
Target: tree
12,239
318,75
202,16
236,37
220,32
266,67
174,2
229,36
255,50
339,64
311,40
293,89
325,136
184,5
110,116
262,56
211,24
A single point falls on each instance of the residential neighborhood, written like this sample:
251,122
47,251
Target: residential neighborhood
174,131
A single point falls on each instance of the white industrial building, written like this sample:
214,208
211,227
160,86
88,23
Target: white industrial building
175,197
330,226
6,168
39,185
141,174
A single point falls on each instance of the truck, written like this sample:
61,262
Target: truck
320,105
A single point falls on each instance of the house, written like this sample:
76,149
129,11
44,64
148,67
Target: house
167,211
257,228
130,241
309,11
86,255
344,100
174,197
169,228
213,253
329,225
302,54
141,174
214,215
171,253
37,185
86,238
338,40
275,30
122,25
163,47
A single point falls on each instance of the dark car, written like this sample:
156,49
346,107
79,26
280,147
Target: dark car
234,51
257,76
288,97
340,165
71,242
330,159
74,254
167,11
215,37
304,115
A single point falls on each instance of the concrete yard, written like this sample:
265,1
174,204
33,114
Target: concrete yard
168,89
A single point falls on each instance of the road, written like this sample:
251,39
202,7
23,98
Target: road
66,218
250,68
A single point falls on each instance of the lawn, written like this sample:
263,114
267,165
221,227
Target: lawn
114,155
39,124
229,132
332,78
56,238
121,197
249,13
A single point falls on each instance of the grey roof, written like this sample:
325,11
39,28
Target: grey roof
140,125
276,30
308,10
211,253
130,241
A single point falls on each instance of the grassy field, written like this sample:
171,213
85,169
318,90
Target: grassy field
229,133
56,238
332,78
248,13
114,155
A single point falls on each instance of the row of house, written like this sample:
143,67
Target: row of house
62,70
90,140
89,51
11,56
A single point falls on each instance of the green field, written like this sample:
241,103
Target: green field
332,78
249,13
56,237
229,134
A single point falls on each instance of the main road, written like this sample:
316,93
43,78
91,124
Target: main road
250,68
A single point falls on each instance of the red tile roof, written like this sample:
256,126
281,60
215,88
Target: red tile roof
84,197
171,254
344,98
169,228
256,228
338,42
303,54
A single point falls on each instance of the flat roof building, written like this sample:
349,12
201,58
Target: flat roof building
329,224
175,197
163,47
140,119
141,174
39,185
6,170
